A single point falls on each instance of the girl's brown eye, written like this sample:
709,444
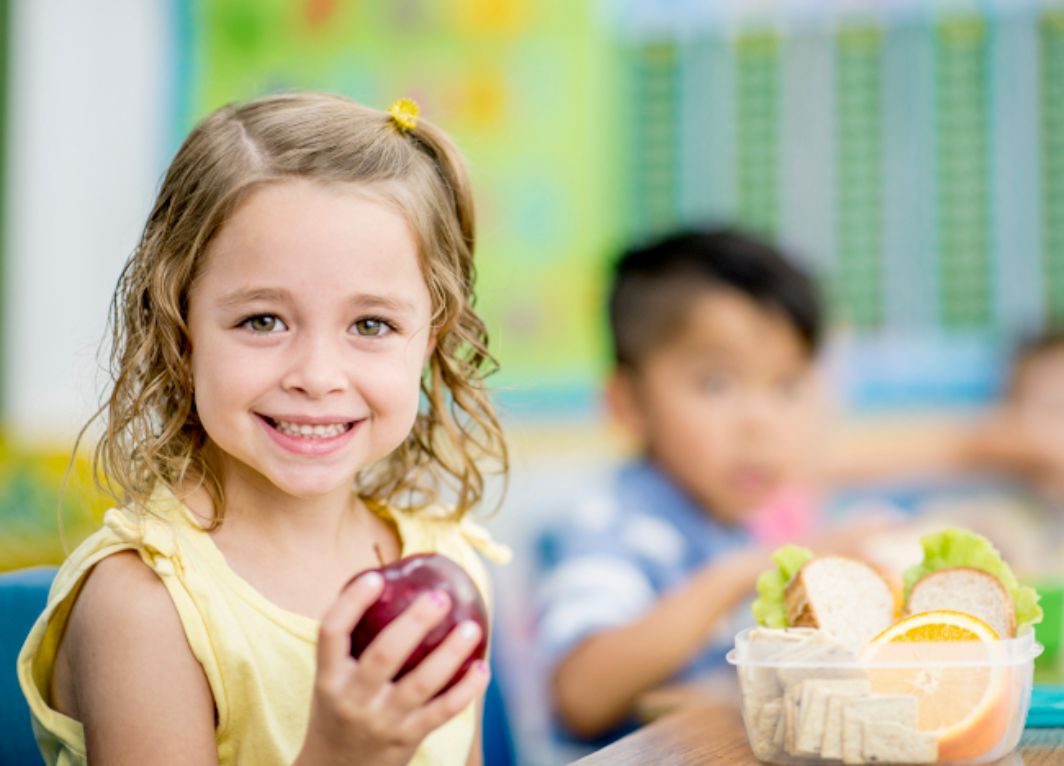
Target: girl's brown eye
371,327
263,323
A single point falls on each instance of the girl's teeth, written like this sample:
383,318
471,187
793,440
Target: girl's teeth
311,432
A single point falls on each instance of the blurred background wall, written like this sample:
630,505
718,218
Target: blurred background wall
911,153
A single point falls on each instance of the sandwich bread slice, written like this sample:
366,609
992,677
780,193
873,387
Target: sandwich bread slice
969,590
843,597
963,572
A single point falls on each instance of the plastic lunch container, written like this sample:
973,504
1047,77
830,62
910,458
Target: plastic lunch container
807,699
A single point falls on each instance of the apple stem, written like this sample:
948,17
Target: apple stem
377,550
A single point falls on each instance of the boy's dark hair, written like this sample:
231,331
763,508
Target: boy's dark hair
1048,340
653,287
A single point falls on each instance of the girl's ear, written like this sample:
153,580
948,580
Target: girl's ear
623,403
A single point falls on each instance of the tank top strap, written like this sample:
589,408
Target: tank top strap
438,528
479,537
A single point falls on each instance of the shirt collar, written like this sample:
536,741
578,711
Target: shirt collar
642,481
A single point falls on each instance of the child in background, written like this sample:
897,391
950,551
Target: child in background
999,473
1023,440
297,374
715,336
1034,409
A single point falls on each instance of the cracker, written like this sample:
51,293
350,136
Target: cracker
831,742
889,742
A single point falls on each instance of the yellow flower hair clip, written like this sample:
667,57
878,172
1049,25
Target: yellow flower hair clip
404,112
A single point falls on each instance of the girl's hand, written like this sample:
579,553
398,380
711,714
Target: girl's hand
357,714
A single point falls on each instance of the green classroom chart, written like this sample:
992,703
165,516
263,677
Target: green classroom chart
522,86
938,203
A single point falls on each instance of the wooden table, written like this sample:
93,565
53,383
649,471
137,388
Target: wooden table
712,732
700,723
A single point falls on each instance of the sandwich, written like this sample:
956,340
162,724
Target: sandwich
962,571
845,598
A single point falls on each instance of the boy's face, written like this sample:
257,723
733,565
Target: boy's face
1038,389
725,407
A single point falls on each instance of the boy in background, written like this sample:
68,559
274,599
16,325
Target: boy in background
714,335
1022,441
1033,412
998,472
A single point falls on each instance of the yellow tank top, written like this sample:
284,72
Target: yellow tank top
261,687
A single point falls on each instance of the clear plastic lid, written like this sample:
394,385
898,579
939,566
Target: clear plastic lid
804,648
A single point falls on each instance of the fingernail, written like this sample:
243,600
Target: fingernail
371,580
468,630
438,598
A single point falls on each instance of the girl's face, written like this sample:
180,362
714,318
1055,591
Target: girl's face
310,326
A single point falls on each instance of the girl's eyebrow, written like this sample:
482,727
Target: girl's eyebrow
250,295
373,301
278,294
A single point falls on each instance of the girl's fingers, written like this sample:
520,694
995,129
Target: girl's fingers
419,685
390,648
445,707
334,635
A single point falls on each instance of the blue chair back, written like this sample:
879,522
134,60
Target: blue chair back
23,594
496,740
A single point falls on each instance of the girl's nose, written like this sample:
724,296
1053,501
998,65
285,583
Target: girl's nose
315,368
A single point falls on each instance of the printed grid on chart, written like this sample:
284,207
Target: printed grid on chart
919,237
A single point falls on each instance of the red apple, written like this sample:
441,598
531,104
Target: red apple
404,581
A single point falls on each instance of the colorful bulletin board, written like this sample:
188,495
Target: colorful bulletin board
522,86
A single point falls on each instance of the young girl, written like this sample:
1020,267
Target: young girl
297,376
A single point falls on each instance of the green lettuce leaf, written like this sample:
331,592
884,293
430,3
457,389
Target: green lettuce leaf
961,548
769,609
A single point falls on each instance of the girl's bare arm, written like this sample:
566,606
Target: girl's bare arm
132,678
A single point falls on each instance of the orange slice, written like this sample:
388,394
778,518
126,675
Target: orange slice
965,704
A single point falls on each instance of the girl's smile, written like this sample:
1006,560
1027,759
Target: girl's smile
311,436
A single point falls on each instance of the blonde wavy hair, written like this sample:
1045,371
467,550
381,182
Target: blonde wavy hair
152,430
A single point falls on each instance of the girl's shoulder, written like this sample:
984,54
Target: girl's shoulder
152,536
105,636
109,616
123,562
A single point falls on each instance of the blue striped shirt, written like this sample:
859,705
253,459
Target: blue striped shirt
626,545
